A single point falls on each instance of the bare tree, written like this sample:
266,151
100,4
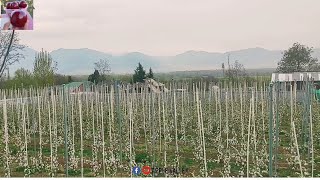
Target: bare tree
104,69
239,69
103,66
236,70
10,50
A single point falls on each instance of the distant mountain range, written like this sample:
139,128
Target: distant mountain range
81,61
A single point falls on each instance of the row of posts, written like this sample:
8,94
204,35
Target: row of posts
274,105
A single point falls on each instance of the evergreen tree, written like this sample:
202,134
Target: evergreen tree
95,77
139,74
150,74
70,79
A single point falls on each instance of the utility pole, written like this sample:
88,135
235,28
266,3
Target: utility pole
229,72
65,130
271,133
223,69
117,88
229,62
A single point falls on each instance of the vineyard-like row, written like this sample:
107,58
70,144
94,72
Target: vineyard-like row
208,132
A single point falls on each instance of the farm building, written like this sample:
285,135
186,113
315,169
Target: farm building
155,86
77,87
296,77
150,84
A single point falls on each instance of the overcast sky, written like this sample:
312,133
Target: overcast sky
169,27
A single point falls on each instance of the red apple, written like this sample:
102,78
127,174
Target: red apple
19,18
23,4
14,5
8,5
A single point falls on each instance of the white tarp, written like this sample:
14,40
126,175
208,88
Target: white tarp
301,76
285,77
281,77
273,79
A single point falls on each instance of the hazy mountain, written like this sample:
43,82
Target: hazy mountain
81,61
77,61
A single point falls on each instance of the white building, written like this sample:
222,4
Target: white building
295,78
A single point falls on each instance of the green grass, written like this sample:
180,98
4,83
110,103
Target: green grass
77,173
235,167
20,169
189,162
142,158
286,173
213,165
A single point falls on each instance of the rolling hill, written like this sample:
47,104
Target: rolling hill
81,61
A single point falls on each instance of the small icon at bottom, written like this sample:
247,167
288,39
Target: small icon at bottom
146,170
136,170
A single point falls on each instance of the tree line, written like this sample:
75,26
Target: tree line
297,58
102,71
43,74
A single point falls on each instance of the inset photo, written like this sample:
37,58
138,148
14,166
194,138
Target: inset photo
0,14
16,15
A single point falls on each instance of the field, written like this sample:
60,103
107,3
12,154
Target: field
231,131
